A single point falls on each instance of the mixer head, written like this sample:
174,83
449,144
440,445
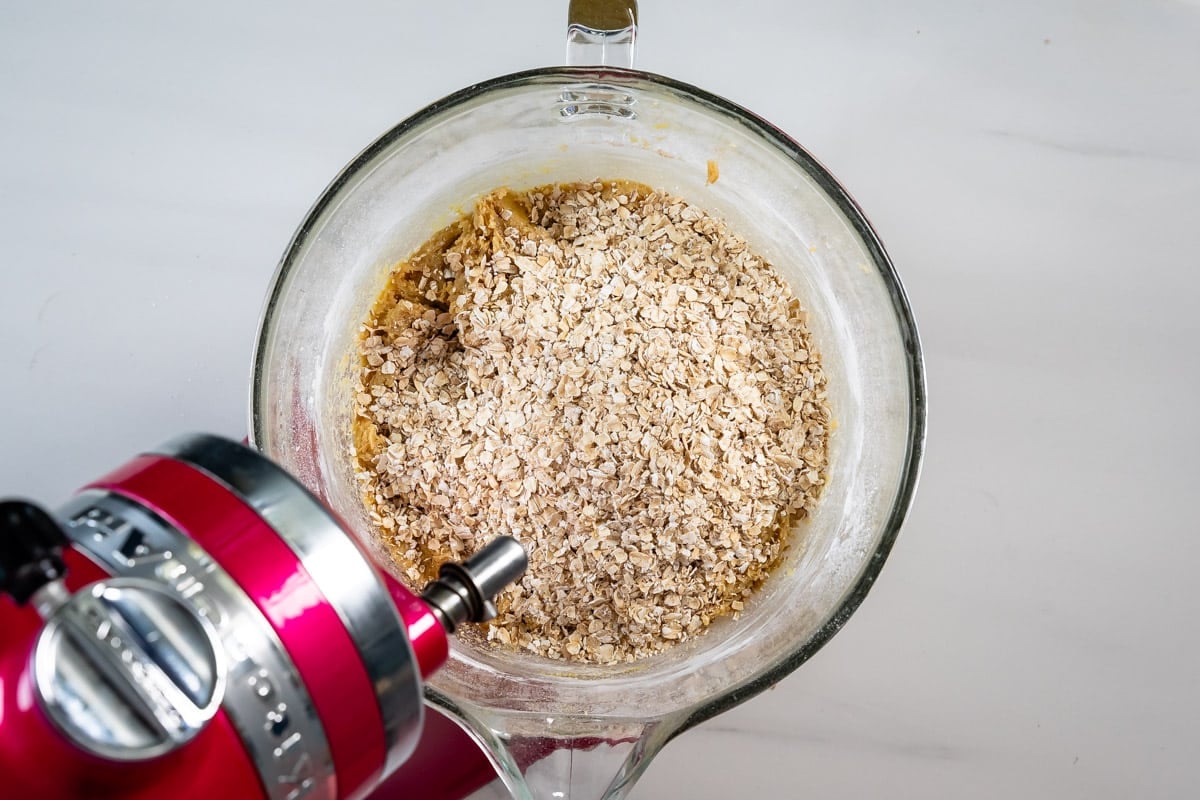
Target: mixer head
230,603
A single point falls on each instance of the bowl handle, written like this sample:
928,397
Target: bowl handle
601,33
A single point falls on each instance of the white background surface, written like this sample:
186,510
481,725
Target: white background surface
1033,167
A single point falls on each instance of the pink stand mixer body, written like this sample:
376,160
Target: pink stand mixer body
207,628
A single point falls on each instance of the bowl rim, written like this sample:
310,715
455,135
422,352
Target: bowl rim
565,76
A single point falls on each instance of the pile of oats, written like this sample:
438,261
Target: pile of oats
610,375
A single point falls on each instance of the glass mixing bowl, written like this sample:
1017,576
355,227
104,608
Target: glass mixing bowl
584,730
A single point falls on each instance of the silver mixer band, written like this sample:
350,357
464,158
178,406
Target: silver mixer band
336,565
267,704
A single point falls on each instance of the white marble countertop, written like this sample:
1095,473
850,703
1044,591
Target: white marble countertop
1033,167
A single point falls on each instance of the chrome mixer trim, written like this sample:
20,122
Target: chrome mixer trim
342,572
264,698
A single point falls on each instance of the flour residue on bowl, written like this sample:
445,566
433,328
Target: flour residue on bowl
609,374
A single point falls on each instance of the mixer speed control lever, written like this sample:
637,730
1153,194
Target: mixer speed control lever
31,545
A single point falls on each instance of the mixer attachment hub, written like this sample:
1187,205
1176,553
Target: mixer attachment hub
466,592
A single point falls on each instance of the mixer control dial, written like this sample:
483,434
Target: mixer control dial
128,671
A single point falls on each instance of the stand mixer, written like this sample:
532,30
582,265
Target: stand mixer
196,622
297,575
